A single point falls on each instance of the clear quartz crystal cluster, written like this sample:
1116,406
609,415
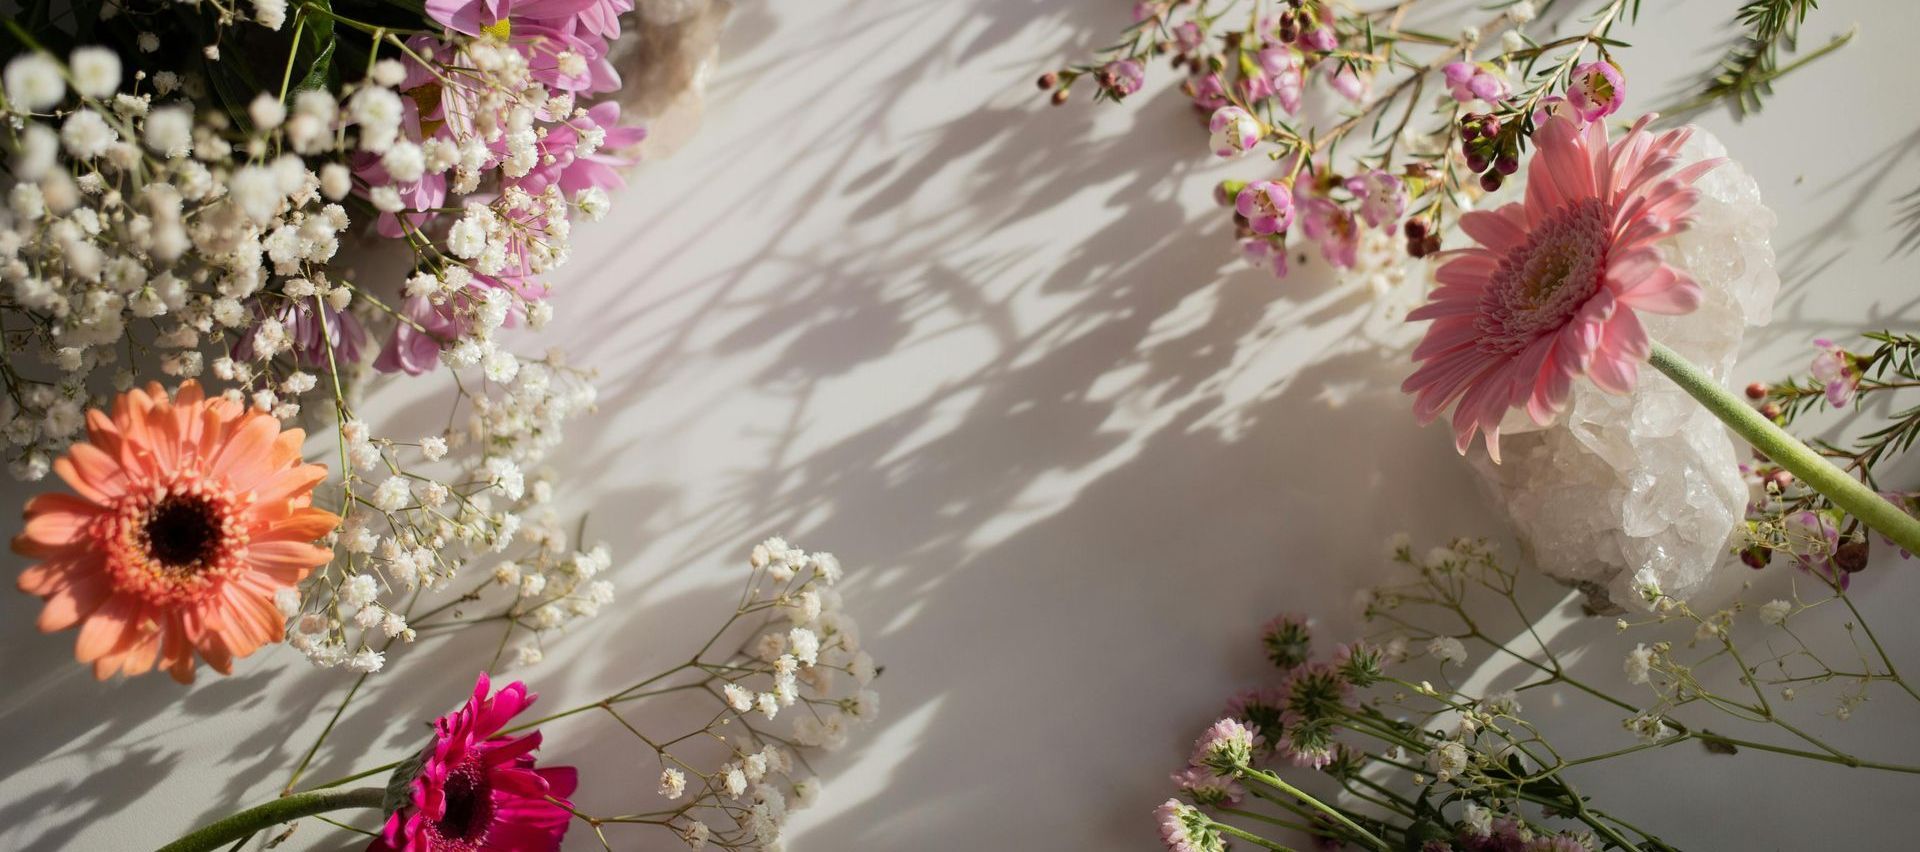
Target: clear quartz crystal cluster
1650,481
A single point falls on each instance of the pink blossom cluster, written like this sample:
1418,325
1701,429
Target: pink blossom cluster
493,124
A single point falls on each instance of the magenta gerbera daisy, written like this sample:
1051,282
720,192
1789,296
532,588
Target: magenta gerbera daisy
477,791
1552,290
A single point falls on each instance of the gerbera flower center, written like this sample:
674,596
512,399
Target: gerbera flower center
177,542
183,532
1540,285
469,809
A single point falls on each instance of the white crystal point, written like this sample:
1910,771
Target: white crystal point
1651,480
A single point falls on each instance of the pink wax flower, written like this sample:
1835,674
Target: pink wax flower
1349,83
1834,367
1320,39
1334,228
1554,288
1235,131
1282,68
1128,76
1596,90
1188,37
1468,81
1255,88
1209,92
414,346
1555,106
1267,205
480,791
1266,252
1383,198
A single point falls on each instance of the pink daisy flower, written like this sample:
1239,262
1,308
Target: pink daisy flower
480,792
1554,289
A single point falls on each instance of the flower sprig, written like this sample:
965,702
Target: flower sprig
1420,762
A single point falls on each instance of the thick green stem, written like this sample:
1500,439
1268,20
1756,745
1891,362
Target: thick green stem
259,818
1278,783
1849,494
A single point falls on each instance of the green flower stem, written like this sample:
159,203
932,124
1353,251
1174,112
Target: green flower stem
1278,783
259,818
1849,494
1252,838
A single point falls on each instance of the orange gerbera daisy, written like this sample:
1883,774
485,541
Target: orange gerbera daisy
191,514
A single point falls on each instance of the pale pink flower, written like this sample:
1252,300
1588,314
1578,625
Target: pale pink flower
1334,228
1128,76
1468,81
1266,252
1226,745
1210,92
414,347
1596,90
1235,131
1206,788
1320,39
1554,289
562,162
1833,367
1184,829
1282,69
1188,37
1383,198
1268,206
1349,83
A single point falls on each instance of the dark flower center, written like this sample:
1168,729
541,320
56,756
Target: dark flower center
183,531
469,807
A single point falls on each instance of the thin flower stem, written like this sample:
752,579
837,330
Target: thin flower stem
1252,838
284,809
1280,784
1819,474
307,758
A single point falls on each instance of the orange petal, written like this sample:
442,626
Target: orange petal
103,630
54,521
302,525
102,433
244,461
79,599
275,491
176,653
96,475
139,658
286,448
286,561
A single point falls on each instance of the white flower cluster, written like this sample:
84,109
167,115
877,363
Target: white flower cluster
141,232
806,662
414,531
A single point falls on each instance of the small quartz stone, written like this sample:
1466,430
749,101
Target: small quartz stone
1650,480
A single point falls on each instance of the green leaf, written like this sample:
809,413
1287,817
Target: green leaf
316,49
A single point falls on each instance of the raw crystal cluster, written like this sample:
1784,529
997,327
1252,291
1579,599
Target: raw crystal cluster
664,63
1650,480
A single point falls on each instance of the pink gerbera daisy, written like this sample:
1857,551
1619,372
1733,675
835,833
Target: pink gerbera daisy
477,791
1552,290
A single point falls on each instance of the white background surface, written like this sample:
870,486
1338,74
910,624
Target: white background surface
1003,360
